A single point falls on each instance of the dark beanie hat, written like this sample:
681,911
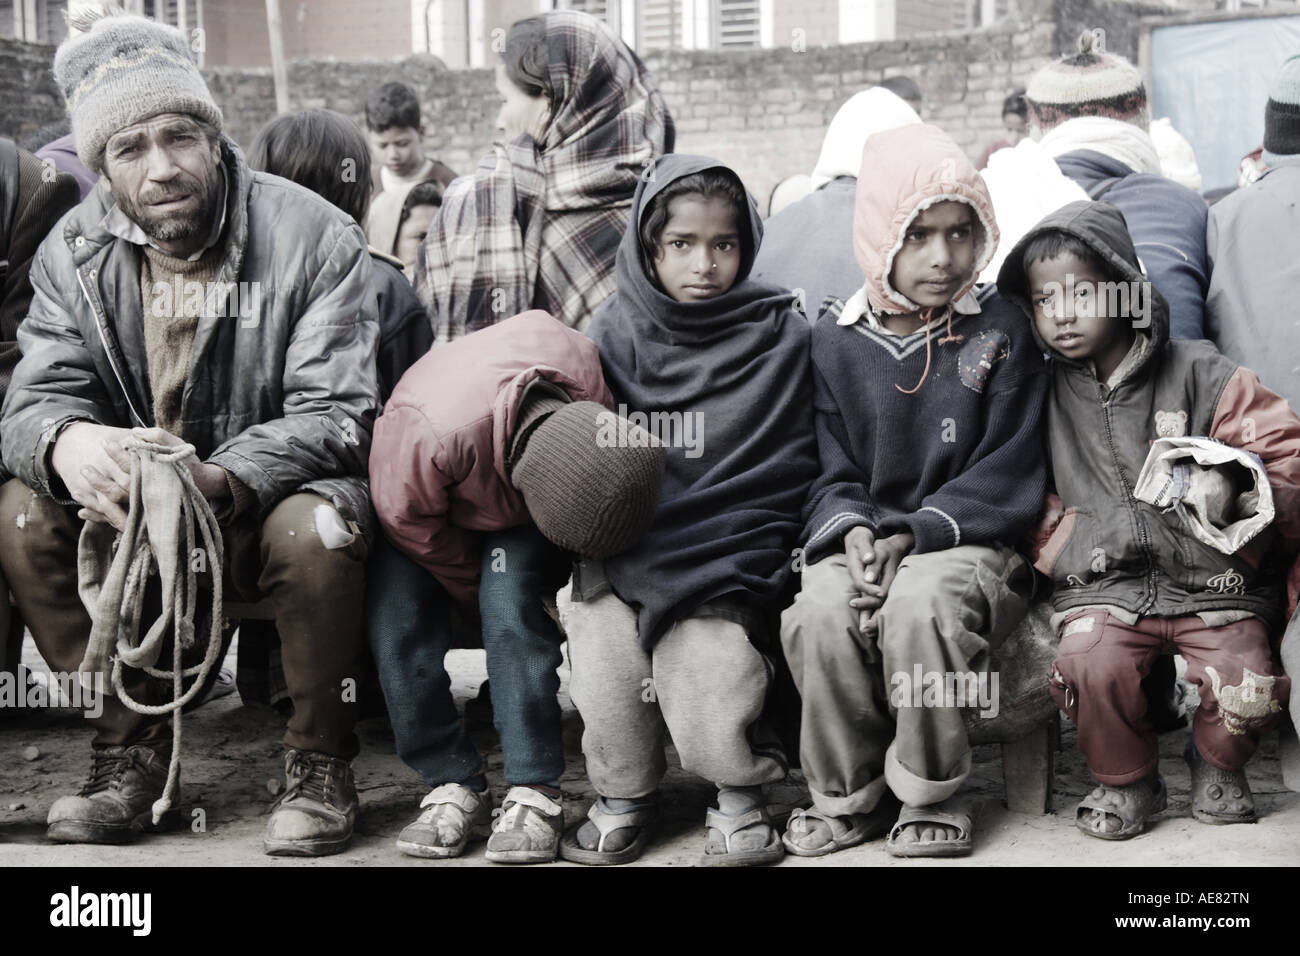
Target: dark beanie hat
590,480
1282,115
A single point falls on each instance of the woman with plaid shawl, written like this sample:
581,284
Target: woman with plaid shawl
538,223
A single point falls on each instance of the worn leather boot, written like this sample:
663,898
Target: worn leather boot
315,814
116,802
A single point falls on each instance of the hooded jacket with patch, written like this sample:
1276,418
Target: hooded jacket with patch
281,391
1100,544
959,460
438,470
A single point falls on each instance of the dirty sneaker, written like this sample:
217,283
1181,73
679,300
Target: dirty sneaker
116,802
528,828
452,814
315,814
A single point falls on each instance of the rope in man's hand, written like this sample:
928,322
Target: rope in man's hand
167,517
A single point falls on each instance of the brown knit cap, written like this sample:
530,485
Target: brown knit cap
590,480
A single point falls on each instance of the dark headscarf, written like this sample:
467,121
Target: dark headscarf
728,518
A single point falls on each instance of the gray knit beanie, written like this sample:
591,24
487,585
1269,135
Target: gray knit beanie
1282,115
123,70
589,479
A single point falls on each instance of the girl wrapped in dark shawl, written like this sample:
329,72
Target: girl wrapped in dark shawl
737,364
719,366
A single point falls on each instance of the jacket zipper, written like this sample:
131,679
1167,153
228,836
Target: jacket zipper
103,339
1143,540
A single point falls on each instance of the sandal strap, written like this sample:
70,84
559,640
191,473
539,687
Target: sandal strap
453,795
534,800
948,814
607,820
729,826
798,822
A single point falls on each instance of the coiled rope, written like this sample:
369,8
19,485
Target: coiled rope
166,516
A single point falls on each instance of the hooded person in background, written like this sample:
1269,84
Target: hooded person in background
808,246
1090,108
538,222
1253,246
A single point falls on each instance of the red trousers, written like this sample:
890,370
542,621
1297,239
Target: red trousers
1097,679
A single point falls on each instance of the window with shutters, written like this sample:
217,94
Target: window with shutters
659,25
604,10
736,24
36,21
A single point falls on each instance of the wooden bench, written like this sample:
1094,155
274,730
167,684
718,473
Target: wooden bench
1027,725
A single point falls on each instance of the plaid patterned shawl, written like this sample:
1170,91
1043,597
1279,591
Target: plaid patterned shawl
537,225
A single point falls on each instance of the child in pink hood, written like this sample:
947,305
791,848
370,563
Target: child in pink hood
927,400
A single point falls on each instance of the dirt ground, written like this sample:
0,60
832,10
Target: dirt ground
232,752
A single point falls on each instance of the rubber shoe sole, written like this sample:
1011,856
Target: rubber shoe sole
305,847
112,834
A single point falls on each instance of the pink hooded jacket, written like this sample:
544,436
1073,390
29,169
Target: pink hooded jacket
905,171
438,459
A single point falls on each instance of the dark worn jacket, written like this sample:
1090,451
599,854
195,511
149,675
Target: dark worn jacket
282,387
1101,545
30,205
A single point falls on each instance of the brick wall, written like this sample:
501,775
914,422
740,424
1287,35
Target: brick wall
763,111
27,90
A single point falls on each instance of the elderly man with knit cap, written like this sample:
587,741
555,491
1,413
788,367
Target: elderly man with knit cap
191,301
495,460
1253,246
1090,108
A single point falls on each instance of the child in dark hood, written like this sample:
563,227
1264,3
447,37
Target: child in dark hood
675,634
927,403
1134,571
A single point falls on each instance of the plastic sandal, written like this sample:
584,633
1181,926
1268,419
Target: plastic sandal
1218,796
643,817
1137,803
865,826
949,813
728,827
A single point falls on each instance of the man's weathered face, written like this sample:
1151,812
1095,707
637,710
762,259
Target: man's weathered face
164,174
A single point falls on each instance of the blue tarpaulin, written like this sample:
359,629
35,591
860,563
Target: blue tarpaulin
1212,81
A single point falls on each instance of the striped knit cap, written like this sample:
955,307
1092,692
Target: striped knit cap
1282,115
122,70
590,479
1089,83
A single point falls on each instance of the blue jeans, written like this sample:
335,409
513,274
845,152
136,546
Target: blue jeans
520,567
408,625
409,628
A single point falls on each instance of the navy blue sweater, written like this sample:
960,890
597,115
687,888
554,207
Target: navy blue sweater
1167,222
958,462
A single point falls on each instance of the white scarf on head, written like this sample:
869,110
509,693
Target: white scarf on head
1123,142
871,111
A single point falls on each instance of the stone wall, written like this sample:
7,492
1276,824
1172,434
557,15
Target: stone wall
762,111
27,90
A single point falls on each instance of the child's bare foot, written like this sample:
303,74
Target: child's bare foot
615,831
926,833
941,829
1118,813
